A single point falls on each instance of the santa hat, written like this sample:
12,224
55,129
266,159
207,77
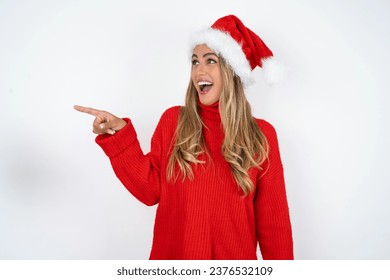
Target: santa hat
241,48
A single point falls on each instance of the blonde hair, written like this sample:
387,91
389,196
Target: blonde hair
244,144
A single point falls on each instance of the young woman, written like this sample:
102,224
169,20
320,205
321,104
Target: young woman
213,169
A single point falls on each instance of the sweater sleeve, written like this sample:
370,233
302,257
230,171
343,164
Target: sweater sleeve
138,172
273,226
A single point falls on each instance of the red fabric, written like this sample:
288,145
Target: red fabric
253,47
206,218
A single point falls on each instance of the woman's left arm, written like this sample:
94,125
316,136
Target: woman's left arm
273,226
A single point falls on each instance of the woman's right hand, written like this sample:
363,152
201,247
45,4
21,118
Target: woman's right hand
105,122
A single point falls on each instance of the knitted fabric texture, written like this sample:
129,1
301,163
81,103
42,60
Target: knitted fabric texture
206,218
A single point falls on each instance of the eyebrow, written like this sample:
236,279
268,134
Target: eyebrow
206,54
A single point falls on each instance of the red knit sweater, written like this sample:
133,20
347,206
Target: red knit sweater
206,218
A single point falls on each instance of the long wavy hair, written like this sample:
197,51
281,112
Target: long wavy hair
244,145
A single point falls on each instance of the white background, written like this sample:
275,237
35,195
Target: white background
59,198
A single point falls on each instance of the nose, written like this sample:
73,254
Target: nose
201,69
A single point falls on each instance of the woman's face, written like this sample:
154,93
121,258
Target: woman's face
206,74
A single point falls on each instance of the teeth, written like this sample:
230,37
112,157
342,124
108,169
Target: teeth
204,83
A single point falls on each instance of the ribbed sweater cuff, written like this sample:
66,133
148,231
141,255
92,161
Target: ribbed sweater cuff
112,145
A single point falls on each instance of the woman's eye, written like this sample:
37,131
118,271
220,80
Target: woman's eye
195,62
211,61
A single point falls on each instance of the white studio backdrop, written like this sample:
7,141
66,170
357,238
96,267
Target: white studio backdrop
59,198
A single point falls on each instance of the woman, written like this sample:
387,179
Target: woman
213,169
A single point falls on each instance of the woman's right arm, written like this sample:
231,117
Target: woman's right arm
139,173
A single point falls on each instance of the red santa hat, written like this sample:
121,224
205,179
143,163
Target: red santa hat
241,48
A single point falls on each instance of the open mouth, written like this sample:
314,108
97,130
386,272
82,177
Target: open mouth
205,86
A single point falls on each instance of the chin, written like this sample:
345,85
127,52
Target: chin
207,102
203,100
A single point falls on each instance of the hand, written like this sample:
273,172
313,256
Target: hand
105,122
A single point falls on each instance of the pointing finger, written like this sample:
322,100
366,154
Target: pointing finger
87,110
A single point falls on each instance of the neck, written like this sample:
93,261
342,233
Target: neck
209,112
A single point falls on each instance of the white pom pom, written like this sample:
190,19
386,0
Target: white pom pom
274,71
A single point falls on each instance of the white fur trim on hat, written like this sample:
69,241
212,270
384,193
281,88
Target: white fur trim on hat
274,71
224,45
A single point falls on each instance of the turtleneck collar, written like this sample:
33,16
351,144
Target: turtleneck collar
209,112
